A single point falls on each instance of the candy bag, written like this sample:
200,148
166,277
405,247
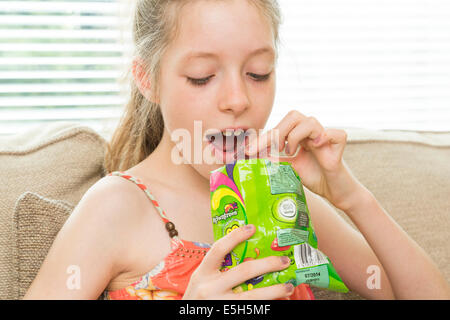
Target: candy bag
270,196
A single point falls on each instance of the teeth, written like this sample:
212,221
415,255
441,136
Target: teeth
231,132
228,133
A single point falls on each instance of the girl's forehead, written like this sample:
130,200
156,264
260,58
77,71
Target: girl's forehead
189,55
222,26
213,19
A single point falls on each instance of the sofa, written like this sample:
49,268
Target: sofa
46,170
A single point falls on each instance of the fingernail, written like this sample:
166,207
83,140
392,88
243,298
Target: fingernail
285,260
317,140
286,149
248,227
289,287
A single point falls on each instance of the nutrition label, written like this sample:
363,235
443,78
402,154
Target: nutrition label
302,218
283,179
288,236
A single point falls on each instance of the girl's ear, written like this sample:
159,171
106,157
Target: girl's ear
142,80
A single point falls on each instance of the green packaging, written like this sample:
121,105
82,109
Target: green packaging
270,196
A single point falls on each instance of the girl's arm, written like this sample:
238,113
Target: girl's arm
412,274
347,249
83,257
360,258
406,270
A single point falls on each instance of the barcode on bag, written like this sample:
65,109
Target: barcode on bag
306,256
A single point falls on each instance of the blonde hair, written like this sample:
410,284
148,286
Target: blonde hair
141,126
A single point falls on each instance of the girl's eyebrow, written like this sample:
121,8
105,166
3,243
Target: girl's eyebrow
211,55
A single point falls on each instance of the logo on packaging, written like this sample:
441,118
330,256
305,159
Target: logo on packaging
230,210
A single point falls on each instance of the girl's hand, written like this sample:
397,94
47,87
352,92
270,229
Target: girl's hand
207,282
319,161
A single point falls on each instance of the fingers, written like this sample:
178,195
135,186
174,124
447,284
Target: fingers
337,140
289,123
295,129
276,291
276,137
262,143
215,256
337,136
308,134
208,282
253,268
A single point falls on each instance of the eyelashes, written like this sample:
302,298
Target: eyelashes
204,81
199,82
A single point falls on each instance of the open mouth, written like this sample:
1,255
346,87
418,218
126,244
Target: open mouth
229,144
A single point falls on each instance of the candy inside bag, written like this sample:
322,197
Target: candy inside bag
270,196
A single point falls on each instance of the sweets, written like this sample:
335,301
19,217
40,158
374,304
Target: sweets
270,196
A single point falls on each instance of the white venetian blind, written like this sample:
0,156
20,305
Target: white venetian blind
382,64
59,61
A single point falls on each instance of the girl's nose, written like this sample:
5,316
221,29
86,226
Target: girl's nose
235,97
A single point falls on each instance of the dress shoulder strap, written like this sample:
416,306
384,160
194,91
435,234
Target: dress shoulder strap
170,227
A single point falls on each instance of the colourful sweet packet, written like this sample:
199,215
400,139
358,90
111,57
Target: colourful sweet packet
270,196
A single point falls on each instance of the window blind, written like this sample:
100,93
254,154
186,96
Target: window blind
60,61
381,64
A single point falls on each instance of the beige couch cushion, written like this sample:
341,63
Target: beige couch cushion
58,161
36,223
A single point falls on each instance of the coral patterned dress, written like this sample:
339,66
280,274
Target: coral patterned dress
168,280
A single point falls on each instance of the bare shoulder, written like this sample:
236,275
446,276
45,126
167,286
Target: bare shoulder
110,202
117,202
115,196
115,208
95,239
133,224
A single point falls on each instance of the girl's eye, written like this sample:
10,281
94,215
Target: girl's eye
258,77
199,82
204,81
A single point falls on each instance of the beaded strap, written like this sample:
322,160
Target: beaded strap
170,227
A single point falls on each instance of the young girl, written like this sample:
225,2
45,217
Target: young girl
144,231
